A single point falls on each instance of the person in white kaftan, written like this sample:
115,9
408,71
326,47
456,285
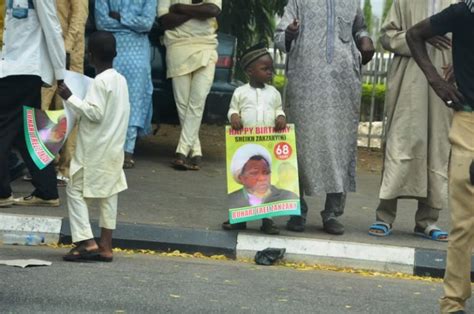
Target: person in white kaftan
417,146
96,166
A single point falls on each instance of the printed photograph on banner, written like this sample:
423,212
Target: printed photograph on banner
44,134
262,173
46,131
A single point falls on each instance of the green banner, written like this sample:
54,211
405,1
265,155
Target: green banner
39,130
262,173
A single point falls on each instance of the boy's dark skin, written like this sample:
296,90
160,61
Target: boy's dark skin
104,247
259,72
181,13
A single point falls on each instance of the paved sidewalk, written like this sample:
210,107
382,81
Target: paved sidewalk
172,200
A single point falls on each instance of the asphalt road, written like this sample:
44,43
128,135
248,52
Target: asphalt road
154,284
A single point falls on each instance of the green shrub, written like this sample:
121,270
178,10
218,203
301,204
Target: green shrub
367,98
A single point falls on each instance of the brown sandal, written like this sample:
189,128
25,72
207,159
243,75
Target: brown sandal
128,162
195,163
179,163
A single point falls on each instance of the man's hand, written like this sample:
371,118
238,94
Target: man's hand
64,91
440,42
448,72
115,15
292,30
176,8
280,123
236,122
448,93
367,49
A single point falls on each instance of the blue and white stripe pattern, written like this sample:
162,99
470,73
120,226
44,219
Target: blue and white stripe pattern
470,5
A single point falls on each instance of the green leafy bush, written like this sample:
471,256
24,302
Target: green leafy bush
367,90
279,81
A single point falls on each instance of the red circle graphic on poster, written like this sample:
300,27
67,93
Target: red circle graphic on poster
283,150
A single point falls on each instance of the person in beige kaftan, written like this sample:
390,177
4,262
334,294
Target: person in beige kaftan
417,146
96,166
191,56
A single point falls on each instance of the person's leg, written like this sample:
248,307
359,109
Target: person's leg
387,211
107,223
425,222
26,91
333,208
426,215
457,279
44,180
297,223
78,211
10,123
181,91
385,215
200,86
130,141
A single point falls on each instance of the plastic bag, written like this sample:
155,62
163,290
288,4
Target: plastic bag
269,256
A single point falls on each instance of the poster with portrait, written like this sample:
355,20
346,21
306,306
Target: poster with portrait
46,131
262,173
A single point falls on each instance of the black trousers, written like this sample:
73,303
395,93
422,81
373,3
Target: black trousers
16,92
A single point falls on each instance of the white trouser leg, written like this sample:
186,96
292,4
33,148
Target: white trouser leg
194,88
77,208
108,212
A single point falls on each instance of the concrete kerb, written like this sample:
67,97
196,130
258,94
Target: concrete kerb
412,261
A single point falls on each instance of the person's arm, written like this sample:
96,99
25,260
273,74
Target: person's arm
46,11
142,22
393,35
77,24
92,107
362,37
167,19
416,39
200,11
234,113
288,28
103,20
280,117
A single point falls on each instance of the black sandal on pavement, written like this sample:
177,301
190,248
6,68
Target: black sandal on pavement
179,162
195,163
226,225
269,227
333,226
128,162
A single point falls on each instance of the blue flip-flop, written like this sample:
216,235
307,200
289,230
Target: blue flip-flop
380,229
432,232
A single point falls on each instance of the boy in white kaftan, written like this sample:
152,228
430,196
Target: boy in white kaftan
96,167
256,106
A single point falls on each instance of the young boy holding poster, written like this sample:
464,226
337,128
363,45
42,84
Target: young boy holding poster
96,167
256,104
